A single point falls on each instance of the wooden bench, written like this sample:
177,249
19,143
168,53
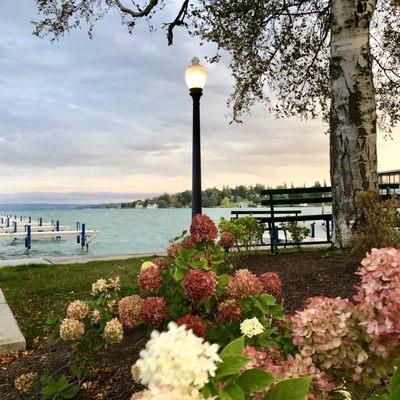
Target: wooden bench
297,196
265,212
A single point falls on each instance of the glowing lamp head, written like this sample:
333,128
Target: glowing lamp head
195,75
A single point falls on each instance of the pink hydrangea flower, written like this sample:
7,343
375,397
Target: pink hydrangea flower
271,282
173,249
160,262
327,331
188,243
229,311
379,299
129,311
244,284
77,309
154,311
203,229
227,240
194,323
199,285
150,280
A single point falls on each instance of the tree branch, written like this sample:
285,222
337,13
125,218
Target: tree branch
137,14
384,69
178,21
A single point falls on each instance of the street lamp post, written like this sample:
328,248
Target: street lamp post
196,78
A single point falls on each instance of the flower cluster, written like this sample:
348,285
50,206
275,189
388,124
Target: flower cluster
229,311
95,317
251,327
272,283
244,284
154,311
71,329
77,309
298,366
327,331
177,359
203,229
379,299
150,280
113,332
200,285
193,322
24,382
227,240
160,262
173,249
168,393
102,286
129,311
188,243
263,359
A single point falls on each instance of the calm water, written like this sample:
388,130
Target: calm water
122,231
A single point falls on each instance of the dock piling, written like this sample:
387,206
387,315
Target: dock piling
28,239
83,236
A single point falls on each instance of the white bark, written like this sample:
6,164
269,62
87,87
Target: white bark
353,112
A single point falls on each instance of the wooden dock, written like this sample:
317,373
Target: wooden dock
14,227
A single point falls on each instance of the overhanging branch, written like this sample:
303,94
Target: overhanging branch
137,14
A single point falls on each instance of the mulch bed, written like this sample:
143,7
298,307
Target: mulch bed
304,275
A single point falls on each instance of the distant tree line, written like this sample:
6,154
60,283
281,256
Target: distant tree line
213,197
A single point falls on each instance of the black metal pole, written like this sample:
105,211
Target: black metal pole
196,93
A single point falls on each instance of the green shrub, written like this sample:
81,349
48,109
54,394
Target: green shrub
247,230
297,233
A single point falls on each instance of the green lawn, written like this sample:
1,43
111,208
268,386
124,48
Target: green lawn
36,292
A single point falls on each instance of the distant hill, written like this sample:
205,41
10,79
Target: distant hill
28,206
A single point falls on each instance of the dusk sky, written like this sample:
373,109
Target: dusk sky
109,119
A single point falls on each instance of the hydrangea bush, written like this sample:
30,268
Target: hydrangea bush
193,299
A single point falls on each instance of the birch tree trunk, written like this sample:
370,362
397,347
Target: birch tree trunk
353,112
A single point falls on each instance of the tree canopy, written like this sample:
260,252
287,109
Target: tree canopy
279,49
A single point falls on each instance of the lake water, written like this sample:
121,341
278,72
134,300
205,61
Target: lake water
123,231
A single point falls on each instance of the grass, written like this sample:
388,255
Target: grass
35,293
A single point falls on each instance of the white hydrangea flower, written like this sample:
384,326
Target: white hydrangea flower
178,359
146,265
251,327
168,393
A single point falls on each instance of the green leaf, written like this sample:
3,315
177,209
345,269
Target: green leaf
291,389
71,392
341,395
255,380
235,391
394,386
234,348
231,365
222,282
222,395
209,390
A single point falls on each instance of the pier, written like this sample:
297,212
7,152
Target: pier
20,227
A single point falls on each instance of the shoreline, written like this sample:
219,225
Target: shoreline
74,260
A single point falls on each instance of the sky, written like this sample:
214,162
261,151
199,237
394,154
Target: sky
109,119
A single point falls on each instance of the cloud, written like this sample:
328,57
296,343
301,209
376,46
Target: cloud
113,115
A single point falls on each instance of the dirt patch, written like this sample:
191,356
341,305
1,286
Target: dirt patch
304,275
308,274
